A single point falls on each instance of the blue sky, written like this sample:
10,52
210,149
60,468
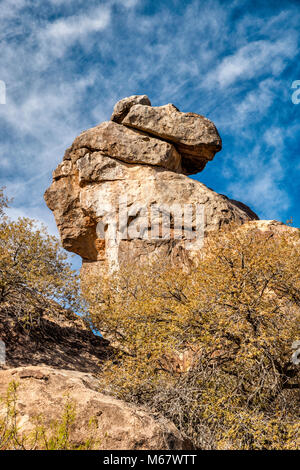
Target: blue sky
66,62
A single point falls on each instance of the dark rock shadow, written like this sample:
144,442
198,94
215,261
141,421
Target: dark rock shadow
61,342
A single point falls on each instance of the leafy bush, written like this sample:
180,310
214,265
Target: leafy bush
210,348
34,273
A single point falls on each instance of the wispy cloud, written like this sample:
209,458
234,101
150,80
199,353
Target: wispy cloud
255,59
65,32
264,172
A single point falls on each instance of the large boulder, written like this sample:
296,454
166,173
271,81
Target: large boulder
195,136
122,194
123,106
119,142
44,392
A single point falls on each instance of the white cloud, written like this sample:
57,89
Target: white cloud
48,112
259,175
274,137
264,193
125,3
252,106
255,59
75,27
64,32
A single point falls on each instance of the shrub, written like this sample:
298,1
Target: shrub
35,275
210,348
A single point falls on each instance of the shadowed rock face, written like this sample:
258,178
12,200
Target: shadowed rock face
137,165
59,340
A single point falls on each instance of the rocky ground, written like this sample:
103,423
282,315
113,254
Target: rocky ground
59,359
59,340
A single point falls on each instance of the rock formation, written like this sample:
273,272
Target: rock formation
59,356
111,424
122,191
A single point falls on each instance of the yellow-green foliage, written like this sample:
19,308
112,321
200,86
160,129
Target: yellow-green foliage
54,435
33,269
233,317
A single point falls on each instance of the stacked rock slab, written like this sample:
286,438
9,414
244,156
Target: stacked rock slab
139,160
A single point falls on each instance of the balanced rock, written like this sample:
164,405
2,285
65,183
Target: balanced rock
119,142
195,136
122,192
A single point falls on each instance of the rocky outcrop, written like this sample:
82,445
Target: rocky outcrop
195,136
43,393
113,140
57,362
122,192
273,226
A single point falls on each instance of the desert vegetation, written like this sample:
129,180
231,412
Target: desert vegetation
35,275
210,348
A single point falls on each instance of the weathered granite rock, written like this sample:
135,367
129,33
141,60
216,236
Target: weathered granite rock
110,423
195,136
89,197
119,195
123,106
127,145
